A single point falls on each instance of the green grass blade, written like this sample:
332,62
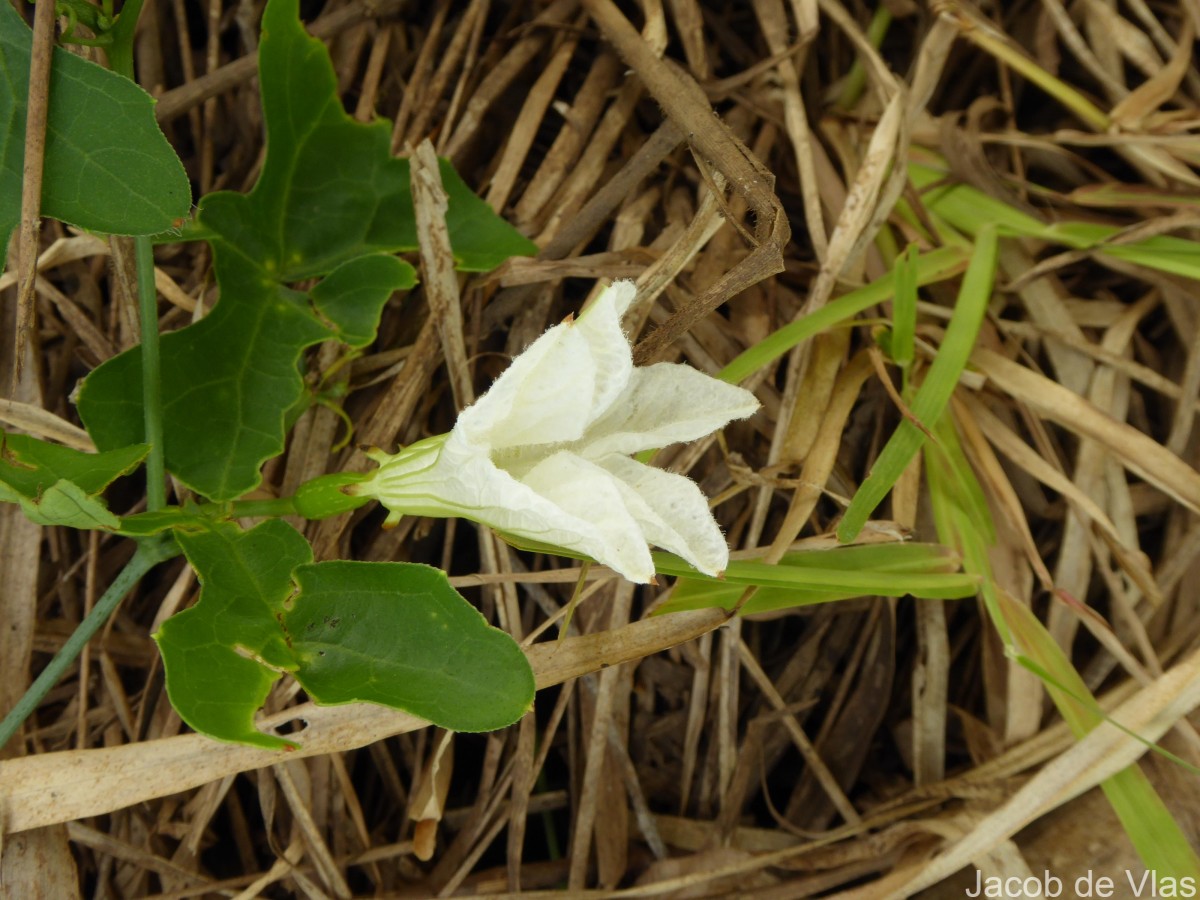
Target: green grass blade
961,512
964,208
904,307
963,521
936,265
927,571
1153,830
934,393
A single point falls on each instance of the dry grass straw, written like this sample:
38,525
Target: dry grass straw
744,163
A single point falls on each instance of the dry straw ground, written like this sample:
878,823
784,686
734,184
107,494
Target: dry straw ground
743,161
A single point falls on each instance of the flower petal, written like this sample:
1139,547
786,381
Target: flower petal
564,501
600,323
544,397
588,492
565,379
664,404
672,512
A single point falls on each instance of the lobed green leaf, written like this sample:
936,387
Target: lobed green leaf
398,634
107,166
391,633
222,655
332,204
57,485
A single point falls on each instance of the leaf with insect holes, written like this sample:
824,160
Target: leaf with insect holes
107,166
332,205
391,633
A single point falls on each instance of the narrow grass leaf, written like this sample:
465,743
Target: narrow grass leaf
934,393
964,521
1153,830
961,512
928,571
936,265
965,208
906,276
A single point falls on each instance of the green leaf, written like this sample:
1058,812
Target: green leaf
933,395
961,512
967,209
348,298
480,239
936,265
400,635
65,503
390,633
56,485
227,382
222,655
108,167
964,520
927,571
904,307
331,203
1153,831
28,465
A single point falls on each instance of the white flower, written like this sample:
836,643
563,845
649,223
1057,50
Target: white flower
545,454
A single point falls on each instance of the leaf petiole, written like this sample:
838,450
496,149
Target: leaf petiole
156,491
253,509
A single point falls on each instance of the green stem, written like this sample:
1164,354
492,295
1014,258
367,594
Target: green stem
252,509
156,490
150,551
120,51
120,57
149,554
856,80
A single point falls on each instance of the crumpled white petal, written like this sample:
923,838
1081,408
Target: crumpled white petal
544,397
545,454
672,512
600,324
584,490
665,404
565,379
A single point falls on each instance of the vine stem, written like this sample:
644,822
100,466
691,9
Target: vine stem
120,57
150,551
149,554
156,490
